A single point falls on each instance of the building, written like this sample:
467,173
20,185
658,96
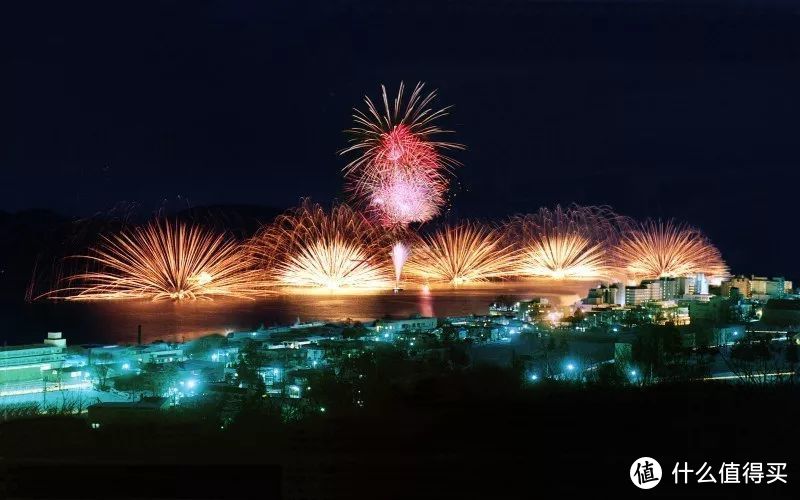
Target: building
501,307
657,289
714,310
414,323
159,353
606,294
669,288
530,310
636,295
700,284
686,285
30,368
742,283
667,311
776,287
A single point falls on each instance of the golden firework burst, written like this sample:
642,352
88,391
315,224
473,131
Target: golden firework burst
160,261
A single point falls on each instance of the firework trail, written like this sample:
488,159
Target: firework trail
161,261
657,249
462,254
400,173
571,243
400,254
310,248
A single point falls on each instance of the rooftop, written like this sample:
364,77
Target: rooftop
27,346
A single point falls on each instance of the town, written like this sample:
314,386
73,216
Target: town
742,330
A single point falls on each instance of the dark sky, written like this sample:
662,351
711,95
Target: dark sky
657,109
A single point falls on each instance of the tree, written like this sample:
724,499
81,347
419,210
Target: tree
354,331
202,346
250,360
449,334
162,378
101,368
577,317
657,350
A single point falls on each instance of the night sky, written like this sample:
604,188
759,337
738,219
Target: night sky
657,110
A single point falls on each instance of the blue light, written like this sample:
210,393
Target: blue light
191,383
534,377
633,373
126,366
570,367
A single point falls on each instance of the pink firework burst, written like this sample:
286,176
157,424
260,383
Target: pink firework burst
400,172
403,197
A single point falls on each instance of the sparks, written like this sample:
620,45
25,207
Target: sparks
657,249
400,173
463,254
163,261
400,253
571,243
310,248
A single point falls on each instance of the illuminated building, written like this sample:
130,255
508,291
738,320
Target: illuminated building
740,282
700,284
28,368
607,294
530,310
413,324
635,295
668,311
714,310
764,288
686,285
159,353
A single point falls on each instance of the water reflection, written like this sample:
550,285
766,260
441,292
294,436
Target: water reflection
117,321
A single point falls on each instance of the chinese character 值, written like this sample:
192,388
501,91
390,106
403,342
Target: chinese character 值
645,474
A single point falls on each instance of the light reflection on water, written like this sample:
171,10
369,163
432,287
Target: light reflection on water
110,322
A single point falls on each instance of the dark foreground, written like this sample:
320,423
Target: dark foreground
478,435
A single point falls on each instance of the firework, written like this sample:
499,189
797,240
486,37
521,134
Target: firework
400,253
571,243
402,198
657,249
160,261
310,248
400,172
462,254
